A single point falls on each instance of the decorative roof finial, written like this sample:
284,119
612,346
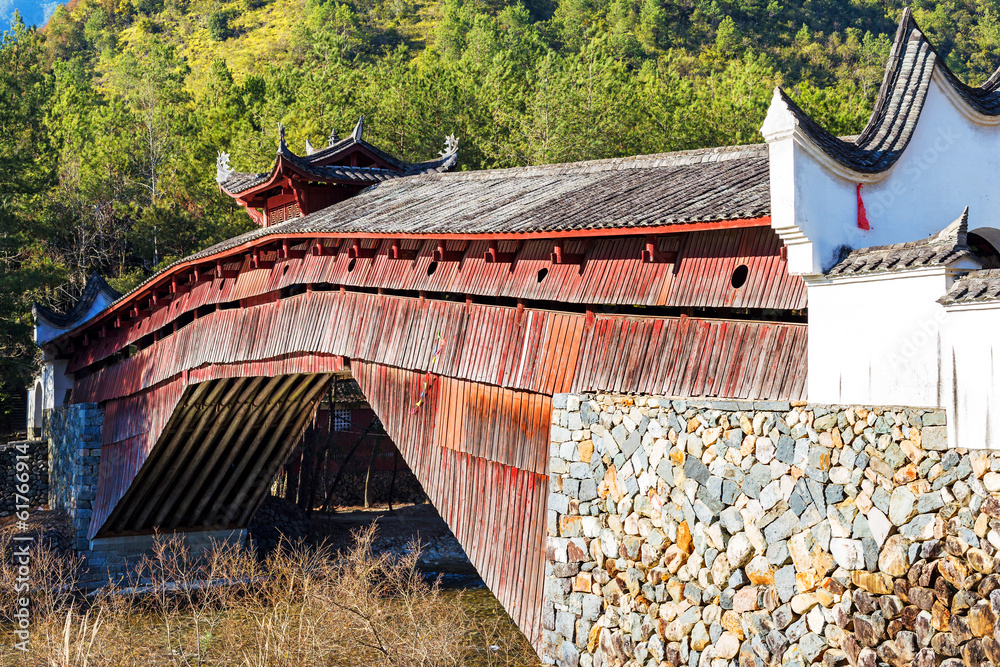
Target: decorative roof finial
222,170
780,122
957,232
450,145
309,148
359,129
333,137
281,138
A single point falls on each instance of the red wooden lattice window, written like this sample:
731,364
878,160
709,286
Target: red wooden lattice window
283,212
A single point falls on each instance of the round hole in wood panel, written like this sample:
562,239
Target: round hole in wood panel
431,268
286,270
351,265
739,276
542,273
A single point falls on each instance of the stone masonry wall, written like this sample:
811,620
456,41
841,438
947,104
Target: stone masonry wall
73,433
752,534
33,455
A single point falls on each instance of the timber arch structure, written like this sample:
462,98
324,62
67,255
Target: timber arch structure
460,316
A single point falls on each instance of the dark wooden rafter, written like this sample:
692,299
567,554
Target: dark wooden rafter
171,458
149,477
212,419
203,459
262,407
203,456
284,439
280,450
275,407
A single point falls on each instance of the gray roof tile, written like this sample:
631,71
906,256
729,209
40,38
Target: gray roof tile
980,286
943,248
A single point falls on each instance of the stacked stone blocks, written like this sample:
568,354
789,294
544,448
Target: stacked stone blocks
73,433
738,533
34,454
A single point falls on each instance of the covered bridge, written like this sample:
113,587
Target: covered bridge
467,304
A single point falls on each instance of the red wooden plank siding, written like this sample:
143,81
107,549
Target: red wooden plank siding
613,274
453,477
545,352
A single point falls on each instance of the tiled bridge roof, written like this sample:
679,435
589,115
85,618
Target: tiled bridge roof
715,184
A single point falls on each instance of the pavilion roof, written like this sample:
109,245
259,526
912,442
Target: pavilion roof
314,164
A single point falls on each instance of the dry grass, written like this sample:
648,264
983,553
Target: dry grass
301,606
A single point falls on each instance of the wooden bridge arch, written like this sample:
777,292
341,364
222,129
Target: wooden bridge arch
208,371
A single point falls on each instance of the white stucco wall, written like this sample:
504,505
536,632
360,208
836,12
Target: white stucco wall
952,161
972,343
49,389
35,406
876,339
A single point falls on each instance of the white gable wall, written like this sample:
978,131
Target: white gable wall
952,161
45,331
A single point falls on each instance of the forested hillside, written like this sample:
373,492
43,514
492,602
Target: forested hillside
114,112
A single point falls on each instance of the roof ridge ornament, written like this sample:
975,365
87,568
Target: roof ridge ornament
450,146
282,146
333,138
359,129
223,172
957,232
309,148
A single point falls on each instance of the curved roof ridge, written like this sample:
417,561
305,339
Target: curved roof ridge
74,316
911,65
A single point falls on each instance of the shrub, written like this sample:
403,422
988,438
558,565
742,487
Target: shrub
219,24
300,606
